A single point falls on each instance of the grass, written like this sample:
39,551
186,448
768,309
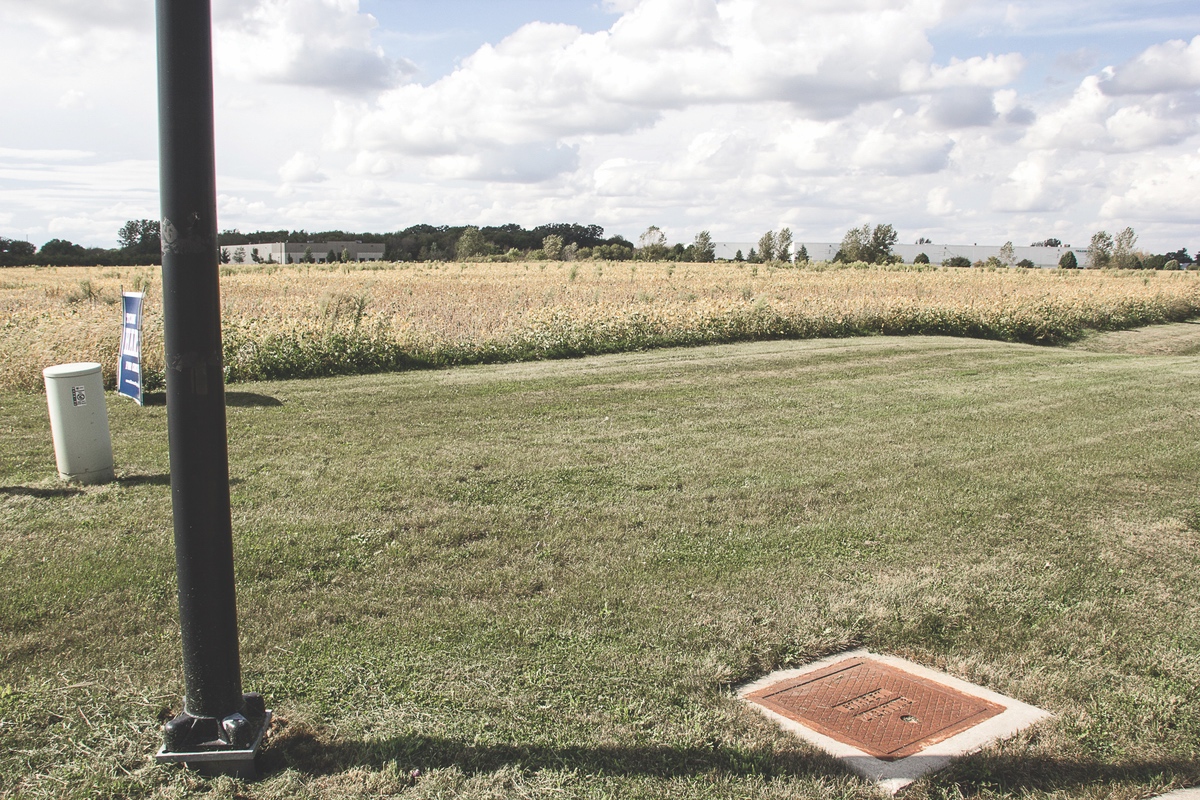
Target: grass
545,579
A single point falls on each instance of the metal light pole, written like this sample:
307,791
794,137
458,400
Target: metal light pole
220,728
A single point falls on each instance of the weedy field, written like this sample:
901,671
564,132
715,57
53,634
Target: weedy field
312,320
545,580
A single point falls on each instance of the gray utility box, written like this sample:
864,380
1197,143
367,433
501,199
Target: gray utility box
79,422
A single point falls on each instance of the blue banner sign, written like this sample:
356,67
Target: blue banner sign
129,365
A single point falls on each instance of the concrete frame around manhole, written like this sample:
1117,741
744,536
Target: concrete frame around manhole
894,775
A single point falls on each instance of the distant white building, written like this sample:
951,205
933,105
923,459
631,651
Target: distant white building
297,252
937,253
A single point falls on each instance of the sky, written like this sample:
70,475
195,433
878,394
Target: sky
954,120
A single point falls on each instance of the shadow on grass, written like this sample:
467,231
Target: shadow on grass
72,491
44,494
163,479
1013,773
251,400
232,400
300,747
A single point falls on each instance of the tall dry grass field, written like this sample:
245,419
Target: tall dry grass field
306,320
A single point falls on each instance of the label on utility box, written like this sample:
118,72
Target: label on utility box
78,397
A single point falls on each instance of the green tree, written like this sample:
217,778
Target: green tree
705,251
652,245
1026,263
867,245
552,246
855,244
15,252
766,246
1180,255
957,261
738,256
921,259
883,239
1124,256
470,244
802,255
139,234
61,249
331,257
783,245
308,255
1007,257
239,255
1100,251
129,235
1068,261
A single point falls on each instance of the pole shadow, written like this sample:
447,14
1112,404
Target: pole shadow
299,747
41,494
163,479
314,752
1009,772
232,400
251,400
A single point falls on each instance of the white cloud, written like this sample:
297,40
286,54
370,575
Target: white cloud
1152,124
1030,186
731,115
964,107
990,71
302,168
70,17
368,163
547,87
44,155
1148,102
1080,123
904,152
320,43
938,202
74,98
1157,190
1173,66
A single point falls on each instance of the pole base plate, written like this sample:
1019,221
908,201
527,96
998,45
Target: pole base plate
214,762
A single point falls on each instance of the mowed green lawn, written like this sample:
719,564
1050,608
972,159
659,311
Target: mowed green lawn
547,580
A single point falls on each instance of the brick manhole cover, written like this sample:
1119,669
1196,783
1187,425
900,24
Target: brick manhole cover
887,719
880,709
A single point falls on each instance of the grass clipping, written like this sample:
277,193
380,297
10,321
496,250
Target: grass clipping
302,321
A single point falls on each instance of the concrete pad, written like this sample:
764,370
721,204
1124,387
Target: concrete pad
1182,794
1005,717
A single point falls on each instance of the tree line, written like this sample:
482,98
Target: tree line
873,245
138,244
